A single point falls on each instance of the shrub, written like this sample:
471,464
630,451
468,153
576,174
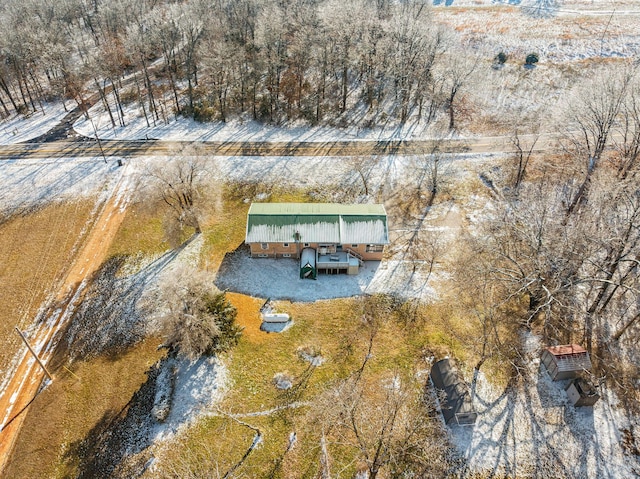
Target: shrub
198,319
501,58
531,60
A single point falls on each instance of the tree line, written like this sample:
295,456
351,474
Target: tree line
271,60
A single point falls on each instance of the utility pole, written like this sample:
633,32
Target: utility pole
34,354
95,130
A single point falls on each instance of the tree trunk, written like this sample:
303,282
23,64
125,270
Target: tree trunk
626,326
5,88
116,95
345,86
141,101
452,123
4,107
149,86
105,103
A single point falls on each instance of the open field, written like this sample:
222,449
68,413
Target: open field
35,250
332,329
81,401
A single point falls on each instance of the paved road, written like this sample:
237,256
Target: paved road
131,148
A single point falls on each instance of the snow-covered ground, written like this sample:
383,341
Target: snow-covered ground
186,129
280,279
198,386
532,431
18,128
28,183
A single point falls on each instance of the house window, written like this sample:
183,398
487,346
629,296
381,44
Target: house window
306,245
286,245
264,245
374,248
286,255
354,245
262,255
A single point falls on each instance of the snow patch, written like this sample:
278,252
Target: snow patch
532,427
283,381
280,279
198,386
19,128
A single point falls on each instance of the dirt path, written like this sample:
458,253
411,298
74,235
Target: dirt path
27,378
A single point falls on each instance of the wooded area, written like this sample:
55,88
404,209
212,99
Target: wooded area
272,60
564,239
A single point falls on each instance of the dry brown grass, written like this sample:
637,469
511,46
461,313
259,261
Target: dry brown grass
223,233
62,416
225,227
333,328
248,317
141,231
35,250
71,407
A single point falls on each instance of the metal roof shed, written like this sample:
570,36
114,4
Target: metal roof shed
566,361
581,393
453,394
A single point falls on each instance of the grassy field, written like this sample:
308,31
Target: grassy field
141,232
85,393
82,397
336,331
226,221
34,252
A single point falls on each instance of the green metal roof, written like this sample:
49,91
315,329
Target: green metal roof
316,209
317,223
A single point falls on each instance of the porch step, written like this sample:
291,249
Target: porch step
355,255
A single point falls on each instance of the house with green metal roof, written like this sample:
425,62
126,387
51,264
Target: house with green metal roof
342,236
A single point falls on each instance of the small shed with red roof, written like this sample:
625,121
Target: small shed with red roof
566,361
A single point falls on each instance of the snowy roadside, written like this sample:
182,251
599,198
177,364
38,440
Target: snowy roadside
28,183
185,129
19,128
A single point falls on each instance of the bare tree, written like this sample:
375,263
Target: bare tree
430,174
179,184
612,276
455,76
627,139
519,161
534,254
364,166
191,26
592,116
426,250
389,425
414,49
